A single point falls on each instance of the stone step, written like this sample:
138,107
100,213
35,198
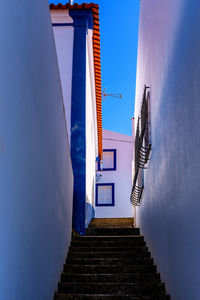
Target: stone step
109,249
125,244
108,269
110,261
112,288
137,253
107,297
112,231
147,278
114,238
107,222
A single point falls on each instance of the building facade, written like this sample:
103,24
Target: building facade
114,183
77,39
50,137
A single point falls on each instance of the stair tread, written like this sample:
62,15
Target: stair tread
108,284
108,253
115,278
111,236
89,265
111,274
113,259
110,261
105,265
108,296
112,227
108,227
110,288
108,268
131,248
112,231
109,240
112,221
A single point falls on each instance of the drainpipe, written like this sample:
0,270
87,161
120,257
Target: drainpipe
133,160
133,126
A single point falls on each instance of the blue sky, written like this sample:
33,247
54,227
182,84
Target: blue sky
119,37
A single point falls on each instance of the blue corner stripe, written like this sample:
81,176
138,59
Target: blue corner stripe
82,21
82,18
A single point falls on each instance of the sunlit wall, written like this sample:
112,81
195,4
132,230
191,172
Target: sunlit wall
36,180
169,215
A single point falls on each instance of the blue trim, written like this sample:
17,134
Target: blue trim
113,194
78,121
62,24
114,160
66,25
82,18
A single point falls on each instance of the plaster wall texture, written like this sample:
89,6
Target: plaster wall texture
122,177
91,131
36,179
64,38
169,215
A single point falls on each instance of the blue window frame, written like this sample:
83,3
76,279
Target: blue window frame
109,160
105,194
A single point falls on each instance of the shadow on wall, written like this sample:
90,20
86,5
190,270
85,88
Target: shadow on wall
89,208
36,179
170,216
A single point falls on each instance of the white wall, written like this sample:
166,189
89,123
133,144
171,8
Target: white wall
64,38
169,216
36,178
91,131
121,177
64,46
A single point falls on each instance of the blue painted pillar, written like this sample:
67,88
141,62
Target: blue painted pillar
82,21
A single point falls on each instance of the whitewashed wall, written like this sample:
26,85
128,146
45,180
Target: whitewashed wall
91,131
169,216
64,38
36,180
64,46
122,177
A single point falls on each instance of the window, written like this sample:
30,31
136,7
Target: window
109,160
105,194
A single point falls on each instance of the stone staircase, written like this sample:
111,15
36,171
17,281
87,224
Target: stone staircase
110,262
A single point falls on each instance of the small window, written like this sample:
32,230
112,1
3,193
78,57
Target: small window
109,160
105,194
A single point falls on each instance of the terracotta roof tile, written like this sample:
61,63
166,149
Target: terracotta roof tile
97,55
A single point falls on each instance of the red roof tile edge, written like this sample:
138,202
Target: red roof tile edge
97,62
